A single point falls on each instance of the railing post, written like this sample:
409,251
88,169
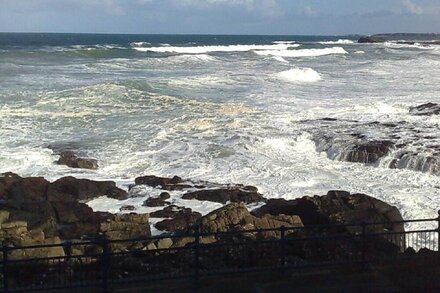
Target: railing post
438,231
364,246
5,250
105,264
283,250
196,258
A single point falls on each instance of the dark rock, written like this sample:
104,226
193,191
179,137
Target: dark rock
164,195
15,187
425,109
339,207
155,202
224,195
39,215
174,183
180,221
170,212
304,207
371,39
70,159
71,188
369,152
127,208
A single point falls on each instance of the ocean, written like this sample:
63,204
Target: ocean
281,113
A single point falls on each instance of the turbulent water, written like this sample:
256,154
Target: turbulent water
242,109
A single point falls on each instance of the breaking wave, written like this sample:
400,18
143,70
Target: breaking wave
207,49
299,75
302,52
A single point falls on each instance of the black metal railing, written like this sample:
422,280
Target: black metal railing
103,263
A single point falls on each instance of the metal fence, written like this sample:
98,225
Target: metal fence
104,264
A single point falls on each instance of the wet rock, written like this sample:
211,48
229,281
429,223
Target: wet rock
371,39
70,188
175,183
427,163
155,202
170,212
70,159
224,195
368,152
425,109
127,208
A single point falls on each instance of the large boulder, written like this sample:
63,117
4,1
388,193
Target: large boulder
15,187
174,183
70,159
339,207
180,218
236,217
70,188
224,195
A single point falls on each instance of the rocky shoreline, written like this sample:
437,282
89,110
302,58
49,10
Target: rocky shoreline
35,211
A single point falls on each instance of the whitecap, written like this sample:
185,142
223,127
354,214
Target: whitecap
302,52
338,42
281,59
299,75
207,49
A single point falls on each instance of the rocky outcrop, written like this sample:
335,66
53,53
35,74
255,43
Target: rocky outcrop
15,187
126,226
236,217
16,234
70,188
427,109
396,145
179,218
158,201
224,195
371,39
175,183
339,207
70,159
368,152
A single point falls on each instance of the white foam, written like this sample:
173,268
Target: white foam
302,52
299,75
280,59
207,49
338,42
360,52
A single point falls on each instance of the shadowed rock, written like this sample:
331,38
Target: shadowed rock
70,159
224,195
368,152
71,188
175,183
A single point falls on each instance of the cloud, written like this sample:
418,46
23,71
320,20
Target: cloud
309,11
412,8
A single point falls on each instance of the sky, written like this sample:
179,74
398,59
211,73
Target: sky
277,17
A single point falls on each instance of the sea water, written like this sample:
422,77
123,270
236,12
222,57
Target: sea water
227,109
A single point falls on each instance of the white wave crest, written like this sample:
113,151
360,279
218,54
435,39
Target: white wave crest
303,52
207,49
280,59
338,42
299,75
